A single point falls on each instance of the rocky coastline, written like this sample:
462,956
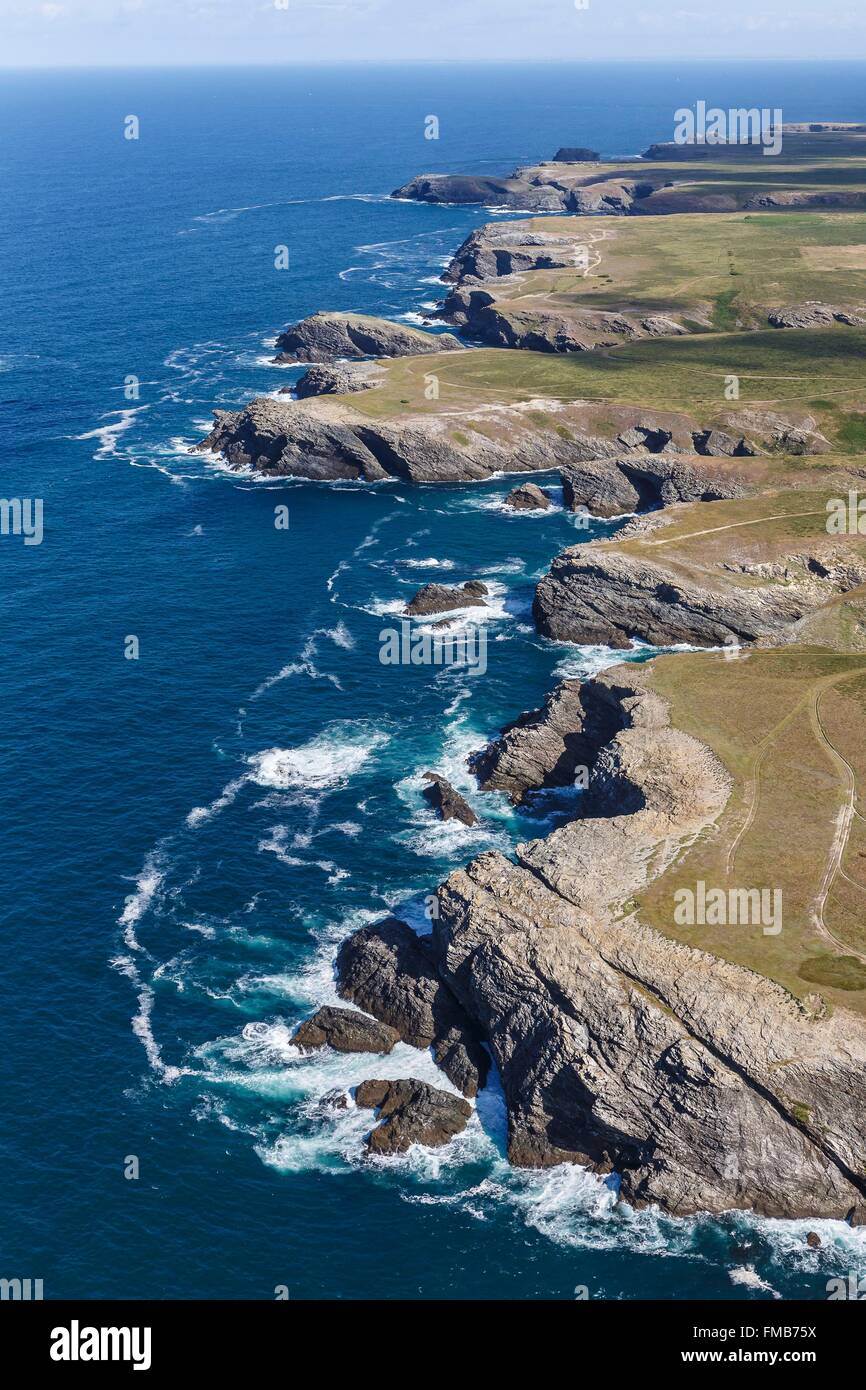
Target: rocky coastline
703,1085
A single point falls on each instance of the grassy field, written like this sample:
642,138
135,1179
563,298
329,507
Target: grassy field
822,370
720,272
786,723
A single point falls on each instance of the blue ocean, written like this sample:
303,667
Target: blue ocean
209,777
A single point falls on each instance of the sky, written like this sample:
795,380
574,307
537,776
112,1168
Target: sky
124,33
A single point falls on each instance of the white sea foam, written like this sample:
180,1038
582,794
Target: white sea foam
328,760
748,1277
108,435
199,814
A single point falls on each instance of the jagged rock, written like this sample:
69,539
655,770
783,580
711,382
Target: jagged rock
345,1030
327,337
813,1240
447,800
324,380
527,498
439,598
718,443
327,438
503,248
812,315
645,437
624,1049
639,481
388,970
576,154
594,595
411,1112
548,747
334,1099
537,327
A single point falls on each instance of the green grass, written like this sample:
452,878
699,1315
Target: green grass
775,367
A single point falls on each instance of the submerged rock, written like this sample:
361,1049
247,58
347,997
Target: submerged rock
345,1030
388,970
447,800
411,1112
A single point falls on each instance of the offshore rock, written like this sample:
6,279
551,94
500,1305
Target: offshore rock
345,1030
447,801
411,1112
440,598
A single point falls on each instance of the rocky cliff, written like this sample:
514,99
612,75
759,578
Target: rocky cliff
328,337
705,1086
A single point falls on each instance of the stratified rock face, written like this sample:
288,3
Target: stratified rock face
328,439
439,598
388,970
345,1030
539,328
324,380
528,498
447,801
576,154
636,482
716,443
327,337
411,1112
705,1085
814,315
593,595
550,187
551,746
503,248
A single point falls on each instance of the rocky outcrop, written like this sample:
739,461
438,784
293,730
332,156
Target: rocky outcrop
326,439
704,1085
446,800
328,337
339,380
411,1112
549,747
637,482
534,327
440,598
388,970
815,315
550,187
598,594
345,1030
505,248
719,444
528,498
